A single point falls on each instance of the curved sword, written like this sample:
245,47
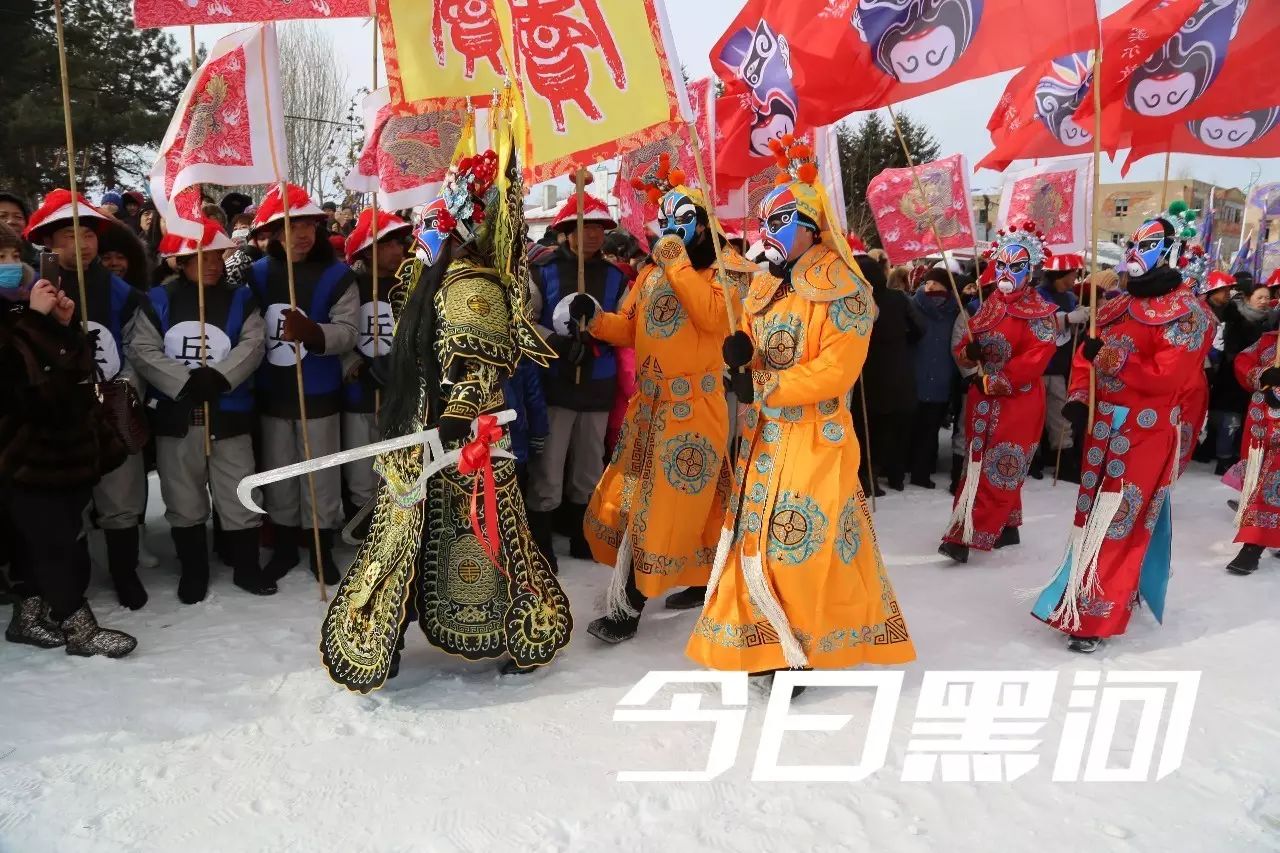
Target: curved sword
435,460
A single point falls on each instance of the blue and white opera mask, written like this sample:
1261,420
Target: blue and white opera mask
678,216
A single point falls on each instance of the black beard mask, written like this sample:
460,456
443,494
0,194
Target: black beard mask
702,254
1158,282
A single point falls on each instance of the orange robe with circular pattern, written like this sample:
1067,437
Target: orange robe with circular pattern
662,497
798,579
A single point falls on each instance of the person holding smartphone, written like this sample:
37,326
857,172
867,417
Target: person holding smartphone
55,445
119,498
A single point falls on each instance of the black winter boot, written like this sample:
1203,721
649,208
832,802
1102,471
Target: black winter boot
1246,562
688,599
616,628
579,548
285,556
85,638
957,471
122,563
331,576
951,550
192,544
540,525
1084,645
1008,536
247,571
32,625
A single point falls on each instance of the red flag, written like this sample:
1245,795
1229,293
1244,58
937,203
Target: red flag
167,13
1035,116
228,128
905,217
801,64
1215,65
1254,133
407,150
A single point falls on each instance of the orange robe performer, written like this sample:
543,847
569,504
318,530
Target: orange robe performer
798,580
656,514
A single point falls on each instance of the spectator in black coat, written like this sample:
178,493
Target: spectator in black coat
889,376
1244,319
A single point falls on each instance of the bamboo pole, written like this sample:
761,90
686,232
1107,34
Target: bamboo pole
297,347
204,340
71,166
580,188
696,147
373,251
1097,203
933,225
1164,187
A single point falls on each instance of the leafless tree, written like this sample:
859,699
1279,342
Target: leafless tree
314,89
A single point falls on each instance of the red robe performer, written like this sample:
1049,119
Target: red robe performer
1013,338
1258,519
1150,341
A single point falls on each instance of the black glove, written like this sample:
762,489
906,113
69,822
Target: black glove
737,350
204,385
1269,378
973,352
743,387
568,348
453,430
1091,347
1077,414
582,308
303,330
1272,398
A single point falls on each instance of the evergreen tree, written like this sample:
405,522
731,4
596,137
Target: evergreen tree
124,83
868,149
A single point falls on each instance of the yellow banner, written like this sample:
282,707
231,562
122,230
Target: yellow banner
446,52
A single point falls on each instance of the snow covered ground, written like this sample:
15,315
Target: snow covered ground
223,733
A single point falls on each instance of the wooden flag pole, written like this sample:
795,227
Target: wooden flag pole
1097,202
580,187
1164,187
204,345
373,250
297,347
71,166
933,225
696,147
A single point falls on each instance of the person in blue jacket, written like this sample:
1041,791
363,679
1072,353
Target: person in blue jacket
935,373
522,392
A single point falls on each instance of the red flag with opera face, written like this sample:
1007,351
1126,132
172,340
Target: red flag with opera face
1214,66
228,128
906,217
1252,133
1035,116
793,65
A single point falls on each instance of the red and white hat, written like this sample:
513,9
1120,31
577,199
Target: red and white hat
594,212
56,212
1216,281
214,239
361,238
1064,263
272,209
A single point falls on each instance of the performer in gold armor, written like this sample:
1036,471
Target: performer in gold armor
455,553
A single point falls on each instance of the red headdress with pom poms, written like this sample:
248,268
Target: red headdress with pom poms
654,183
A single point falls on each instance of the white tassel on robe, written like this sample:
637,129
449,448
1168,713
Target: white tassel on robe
1252,474
721,560
1086,545
963,512
616,603
762,595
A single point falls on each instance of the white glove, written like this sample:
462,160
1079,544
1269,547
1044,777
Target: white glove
1079,316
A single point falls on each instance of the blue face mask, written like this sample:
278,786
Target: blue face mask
10,276
679,217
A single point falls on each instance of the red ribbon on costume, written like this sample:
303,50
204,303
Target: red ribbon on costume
477,459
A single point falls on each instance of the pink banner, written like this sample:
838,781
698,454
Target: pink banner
1054,196
175,13
905,217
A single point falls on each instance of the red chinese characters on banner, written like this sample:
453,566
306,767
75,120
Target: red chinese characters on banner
173,13
552,48
474,32
905,216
